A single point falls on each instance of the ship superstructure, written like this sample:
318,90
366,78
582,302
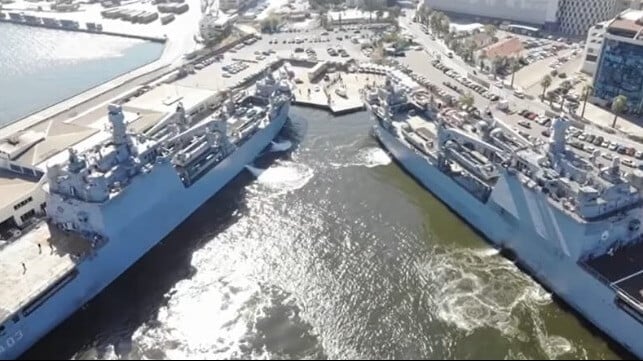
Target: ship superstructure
107,206
571,221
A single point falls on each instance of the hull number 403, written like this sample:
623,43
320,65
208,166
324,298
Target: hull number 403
10,341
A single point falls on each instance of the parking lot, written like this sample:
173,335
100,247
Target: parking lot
528,117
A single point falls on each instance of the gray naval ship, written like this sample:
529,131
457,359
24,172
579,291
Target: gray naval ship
107,206
573,224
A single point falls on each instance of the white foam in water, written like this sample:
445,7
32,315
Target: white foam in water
284,176
281,146
368,157
374,157
489,252
478,290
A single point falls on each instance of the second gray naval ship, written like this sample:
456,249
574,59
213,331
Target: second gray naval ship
573,224
109,205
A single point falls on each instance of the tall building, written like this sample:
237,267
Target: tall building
533,12
571,17
620,65
576,16
593,47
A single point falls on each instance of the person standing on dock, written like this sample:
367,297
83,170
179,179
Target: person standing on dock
24,268
39,248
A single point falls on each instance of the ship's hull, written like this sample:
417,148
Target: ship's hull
562,275
132,241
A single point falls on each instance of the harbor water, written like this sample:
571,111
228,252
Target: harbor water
40,67
324,250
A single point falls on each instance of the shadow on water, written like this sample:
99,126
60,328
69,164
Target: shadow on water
134,298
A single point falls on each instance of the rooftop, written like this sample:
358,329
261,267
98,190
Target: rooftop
353,14
627,21
164,99
14,188
508,47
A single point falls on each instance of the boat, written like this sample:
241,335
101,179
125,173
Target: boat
107,206
572,223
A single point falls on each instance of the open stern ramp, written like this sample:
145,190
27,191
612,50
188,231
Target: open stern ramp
622,270
31,273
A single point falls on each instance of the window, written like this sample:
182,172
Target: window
591,58
27,215
22,204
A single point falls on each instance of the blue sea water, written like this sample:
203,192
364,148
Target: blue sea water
40,67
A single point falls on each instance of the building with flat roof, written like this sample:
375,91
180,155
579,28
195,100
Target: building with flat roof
620,64
593,46
536,12
164,99
353,16
576,16
234,5
571,17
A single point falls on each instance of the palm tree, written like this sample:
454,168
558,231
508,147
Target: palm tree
565,87
587,91
545,83
496,64
618,105
467,99
436,22
323,17
514,68
378,15
482,58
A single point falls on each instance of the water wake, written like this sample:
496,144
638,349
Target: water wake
284,176
280,146
368,157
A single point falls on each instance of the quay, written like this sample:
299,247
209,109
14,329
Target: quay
155,39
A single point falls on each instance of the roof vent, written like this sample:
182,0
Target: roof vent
13,140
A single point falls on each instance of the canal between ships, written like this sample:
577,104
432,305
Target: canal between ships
328,250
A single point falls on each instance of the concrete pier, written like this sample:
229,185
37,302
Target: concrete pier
81,30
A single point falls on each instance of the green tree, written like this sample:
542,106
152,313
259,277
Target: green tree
618,106
587,92
545,83
496,64
490,30
482,58
467,99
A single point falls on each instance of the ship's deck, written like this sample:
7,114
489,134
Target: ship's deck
43,268
623,270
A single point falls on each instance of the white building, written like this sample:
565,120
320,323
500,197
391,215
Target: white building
576,16
536,12
353,16
233,5
213,26
593,47
572,17
366,3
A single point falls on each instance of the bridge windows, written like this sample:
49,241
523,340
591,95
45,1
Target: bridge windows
22,204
